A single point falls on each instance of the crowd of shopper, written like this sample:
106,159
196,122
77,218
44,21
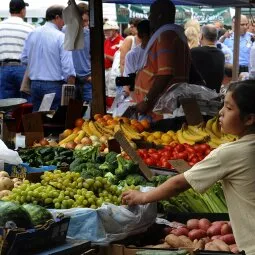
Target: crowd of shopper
173,54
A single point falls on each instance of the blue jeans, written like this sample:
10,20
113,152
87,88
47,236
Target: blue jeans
10,81
40,88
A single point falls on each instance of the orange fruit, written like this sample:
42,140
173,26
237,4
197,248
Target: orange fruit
107,117
98,116
112,122
67,132
79,122
139,127
133,121
145,123
76,130
125,119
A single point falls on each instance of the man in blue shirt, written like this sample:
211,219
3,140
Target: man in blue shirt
82,60
245,43
49,65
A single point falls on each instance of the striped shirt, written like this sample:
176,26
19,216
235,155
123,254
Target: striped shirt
13,32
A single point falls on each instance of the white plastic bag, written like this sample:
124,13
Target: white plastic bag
9,156
109,222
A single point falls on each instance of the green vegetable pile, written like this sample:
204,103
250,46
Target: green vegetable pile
26,216
46,156
212,201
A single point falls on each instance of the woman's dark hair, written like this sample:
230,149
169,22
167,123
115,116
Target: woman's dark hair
243,93
53,11
134,21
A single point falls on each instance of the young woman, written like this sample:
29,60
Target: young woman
233,163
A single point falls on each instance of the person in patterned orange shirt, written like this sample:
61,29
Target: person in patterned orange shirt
166,60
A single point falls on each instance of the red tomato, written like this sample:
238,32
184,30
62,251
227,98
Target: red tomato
194,159
155,156
152,150
168,148
183,155
190,150
208,151
179,147
166,154
149,161
166,164
204,146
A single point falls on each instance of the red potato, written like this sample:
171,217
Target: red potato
193,224
219,222
233,248
167,230
180,231
226,229
197,234
215,237
214,230
204,224
228,239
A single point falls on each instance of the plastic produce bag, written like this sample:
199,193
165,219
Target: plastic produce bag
9,156
169,101
109,222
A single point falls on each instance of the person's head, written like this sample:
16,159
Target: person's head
54,15
84,11
221,32
18,8
218,24
208,35
161,12
243,24
143,29
237,116
251,26
111,29
133,25
192,37
193,23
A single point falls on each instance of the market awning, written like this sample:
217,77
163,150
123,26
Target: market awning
218,3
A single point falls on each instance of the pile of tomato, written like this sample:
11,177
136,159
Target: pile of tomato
160,157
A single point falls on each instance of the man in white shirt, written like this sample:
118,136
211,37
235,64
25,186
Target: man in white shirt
13,32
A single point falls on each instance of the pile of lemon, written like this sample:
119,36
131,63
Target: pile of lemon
160,138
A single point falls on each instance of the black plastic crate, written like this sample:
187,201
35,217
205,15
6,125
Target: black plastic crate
30,241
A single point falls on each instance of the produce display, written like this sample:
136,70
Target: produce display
160,157
23,216
203,235
46,156
208,132
212,201
66,190
7,184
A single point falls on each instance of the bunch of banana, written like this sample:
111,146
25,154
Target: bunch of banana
104,130
86,128
212,127
192,134
95,131
181,138
129,132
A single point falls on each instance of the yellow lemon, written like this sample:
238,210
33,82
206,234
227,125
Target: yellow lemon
150,138
157,142
166,138
145,134
171,132
157,134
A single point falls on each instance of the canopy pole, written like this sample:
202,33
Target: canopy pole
97,56
235,70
